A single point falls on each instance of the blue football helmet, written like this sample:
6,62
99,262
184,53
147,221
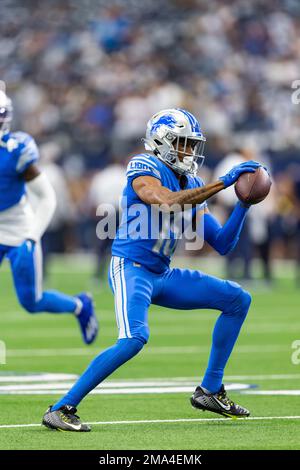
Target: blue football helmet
170,133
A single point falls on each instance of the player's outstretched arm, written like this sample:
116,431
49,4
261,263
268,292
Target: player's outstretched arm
37,183
151,191
224,238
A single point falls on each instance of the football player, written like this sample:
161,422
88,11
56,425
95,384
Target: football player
140,273
21,227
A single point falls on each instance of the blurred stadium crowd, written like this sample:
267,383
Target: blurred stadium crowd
86,75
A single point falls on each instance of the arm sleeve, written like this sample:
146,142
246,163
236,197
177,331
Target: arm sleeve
140,165
224,239
46,204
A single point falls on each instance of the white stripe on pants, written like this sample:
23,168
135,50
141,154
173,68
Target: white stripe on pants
119,285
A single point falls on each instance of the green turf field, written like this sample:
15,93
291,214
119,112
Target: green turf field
147,417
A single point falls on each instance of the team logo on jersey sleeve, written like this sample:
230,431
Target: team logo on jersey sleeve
141,165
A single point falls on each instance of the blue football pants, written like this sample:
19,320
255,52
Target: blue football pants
26,266
135,288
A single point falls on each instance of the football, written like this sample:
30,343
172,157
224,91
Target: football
253,188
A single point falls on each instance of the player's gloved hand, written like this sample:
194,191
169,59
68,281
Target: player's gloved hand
245,167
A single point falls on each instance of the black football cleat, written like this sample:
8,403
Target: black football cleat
217,403
64,419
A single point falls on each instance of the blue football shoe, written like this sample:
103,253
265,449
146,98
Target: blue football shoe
87,319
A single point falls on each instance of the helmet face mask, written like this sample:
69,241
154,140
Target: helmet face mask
188,153
175,137
5,119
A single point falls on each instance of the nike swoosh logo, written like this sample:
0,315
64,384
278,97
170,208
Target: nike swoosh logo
225,407
74,426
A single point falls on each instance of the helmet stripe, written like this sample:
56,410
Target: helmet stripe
192,120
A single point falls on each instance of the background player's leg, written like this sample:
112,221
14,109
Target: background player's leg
26,265
198,290
3,250
132,288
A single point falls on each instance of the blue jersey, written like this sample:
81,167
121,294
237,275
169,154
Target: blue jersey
17,151
146,235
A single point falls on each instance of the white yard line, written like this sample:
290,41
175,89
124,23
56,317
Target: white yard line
50,385
241,388
165,421
29,378
258,349
132,382
157,332
295,393
58,389
248,377
57,384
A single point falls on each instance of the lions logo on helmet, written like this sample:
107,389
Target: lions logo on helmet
175,137
165,120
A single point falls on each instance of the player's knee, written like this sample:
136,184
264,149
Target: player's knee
246,299
28,304
142,334
132,345
242,302
30,307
